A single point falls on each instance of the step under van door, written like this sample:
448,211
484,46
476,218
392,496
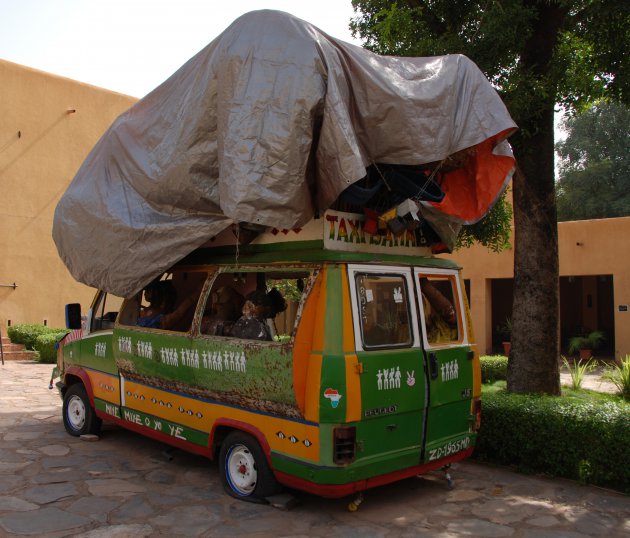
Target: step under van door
449,362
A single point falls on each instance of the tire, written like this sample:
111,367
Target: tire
79,417
245,473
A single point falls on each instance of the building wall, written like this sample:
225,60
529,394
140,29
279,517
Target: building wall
48,124
586,248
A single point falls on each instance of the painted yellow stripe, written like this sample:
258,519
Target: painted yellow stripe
313,387
471,339
105,386
202,416
304,344
320,320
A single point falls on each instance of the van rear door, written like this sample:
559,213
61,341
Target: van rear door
449,359
393,386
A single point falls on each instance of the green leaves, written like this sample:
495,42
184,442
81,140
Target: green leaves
493,231
576,439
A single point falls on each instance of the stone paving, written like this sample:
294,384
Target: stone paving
122,485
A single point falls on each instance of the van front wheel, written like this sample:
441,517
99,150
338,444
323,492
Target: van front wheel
79,417
245,473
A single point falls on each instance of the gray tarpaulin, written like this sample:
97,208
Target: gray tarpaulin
268,124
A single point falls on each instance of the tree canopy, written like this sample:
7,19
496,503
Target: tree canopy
538,54
594,172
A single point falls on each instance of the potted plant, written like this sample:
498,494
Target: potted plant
586,344
505,333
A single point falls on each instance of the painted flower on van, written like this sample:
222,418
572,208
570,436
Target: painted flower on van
334,396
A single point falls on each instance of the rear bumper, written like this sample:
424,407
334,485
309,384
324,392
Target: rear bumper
335,491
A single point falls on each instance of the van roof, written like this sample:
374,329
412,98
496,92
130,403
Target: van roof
302,252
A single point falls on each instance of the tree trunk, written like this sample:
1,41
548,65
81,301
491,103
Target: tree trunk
533,362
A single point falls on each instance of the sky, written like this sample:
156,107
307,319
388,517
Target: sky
132,46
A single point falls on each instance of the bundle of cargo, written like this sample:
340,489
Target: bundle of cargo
270,125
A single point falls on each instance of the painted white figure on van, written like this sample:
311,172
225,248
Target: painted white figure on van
450,371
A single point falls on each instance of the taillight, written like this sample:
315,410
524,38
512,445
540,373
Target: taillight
344,450
476,411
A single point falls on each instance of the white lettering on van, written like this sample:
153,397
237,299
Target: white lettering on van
100,349
450,371
176,431
124,344
388,378
338,231
112,410
132,417
450,448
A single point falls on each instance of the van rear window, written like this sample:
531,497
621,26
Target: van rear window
440,303
384,310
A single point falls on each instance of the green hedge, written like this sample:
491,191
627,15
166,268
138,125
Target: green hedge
493,368
46,345
37,338
577,439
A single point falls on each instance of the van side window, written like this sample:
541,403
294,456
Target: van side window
255,305
384,310
167,303
104,311
440,306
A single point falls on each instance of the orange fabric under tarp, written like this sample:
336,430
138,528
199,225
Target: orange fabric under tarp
470,191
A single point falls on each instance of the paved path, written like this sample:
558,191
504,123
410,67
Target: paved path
123,485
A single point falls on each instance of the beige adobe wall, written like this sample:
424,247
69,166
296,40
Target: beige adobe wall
588,247
42,144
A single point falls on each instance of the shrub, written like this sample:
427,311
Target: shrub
493,368
590,341
26,333
584,440
619,375
578,370
46,345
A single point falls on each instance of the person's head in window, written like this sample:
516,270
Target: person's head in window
161,296
252,324
227,303
277,303
257,305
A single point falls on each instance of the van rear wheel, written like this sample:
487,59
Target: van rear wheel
245,473
79,417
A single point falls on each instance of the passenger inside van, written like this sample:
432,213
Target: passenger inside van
161,314
439,313
161,296
222,311
252,324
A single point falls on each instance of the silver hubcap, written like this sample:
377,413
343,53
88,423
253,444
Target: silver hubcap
76,412
241,470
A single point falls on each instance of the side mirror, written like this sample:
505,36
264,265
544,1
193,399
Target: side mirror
73,316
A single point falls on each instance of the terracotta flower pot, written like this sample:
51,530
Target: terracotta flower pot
585,354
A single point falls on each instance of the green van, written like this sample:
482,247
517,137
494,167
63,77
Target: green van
326,359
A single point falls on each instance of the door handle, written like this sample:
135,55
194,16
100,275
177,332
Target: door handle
433,365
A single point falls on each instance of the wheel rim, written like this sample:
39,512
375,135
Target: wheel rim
240,469
76,413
